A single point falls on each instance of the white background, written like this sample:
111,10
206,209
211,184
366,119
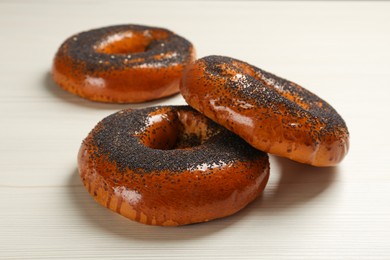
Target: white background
338,50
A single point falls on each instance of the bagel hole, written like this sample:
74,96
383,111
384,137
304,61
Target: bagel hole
129,42
181,130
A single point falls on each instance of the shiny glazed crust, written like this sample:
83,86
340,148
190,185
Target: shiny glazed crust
271,113
122,64
170,166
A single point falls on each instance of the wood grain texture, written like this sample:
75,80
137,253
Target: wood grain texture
338,50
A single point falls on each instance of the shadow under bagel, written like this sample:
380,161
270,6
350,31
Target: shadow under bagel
297,184
293,184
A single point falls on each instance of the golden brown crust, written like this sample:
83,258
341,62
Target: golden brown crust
122,64
271,113
169,182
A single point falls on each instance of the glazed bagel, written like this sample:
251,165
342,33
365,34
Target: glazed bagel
122,64
270,113
170,166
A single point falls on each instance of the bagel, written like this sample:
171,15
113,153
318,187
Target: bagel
270,113
170,166
122,63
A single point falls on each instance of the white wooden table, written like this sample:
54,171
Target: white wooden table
339,50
